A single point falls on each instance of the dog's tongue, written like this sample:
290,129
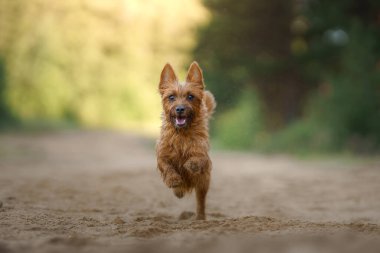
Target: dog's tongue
180,121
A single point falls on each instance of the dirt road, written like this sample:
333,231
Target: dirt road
77,191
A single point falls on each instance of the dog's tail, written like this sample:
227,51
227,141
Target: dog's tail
210,103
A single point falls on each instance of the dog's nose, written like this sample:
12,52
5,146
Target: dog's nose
180,109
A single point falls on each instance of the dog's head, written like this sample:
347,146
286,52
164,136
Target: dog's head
181,101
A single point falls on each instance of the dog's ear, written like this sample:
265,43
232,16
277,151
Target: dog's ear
168,78
195,76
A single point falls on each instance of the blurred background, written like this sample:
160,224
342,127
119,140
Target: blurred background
299,76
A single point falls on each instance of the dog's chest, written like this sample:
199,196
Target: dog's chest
184,148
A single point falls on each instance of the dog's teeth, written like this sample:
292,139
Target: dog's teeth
180,121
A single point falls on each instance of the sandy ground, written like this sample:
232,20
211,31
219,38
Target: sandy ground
76,191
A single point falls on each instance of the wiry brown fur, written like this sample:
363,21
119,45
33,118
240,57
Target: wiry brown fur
182,152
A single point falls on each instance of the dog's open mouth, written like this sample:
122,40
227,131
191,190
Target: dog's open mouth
180,121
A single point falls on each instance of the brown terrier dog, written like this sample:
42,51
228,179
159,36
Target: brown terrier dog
182,150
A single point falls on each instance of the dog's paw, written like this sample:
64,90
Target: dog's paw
179,192
173,180
192,166
200,216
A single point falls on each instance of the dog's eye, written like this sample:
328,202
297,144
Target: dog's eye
171,98
190,97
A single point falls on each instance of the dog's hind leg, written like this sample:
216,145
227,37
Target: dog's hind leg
201,190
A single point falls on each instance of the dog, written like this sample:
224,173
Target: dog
182,149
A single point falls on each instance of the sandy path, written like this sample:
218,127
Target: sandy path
100,192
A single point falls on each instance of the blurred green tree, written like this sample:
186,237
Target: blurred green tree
314,64
93,62
344,60
6,116
247,44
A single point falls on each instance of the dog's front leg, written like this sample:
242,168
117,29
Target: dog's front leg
170,176
197,164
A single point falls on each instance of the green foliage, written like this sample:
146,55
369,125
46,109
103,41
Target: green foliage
93,62
344,115
301,137
318,83
239,127
6,117
244,41
351,109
